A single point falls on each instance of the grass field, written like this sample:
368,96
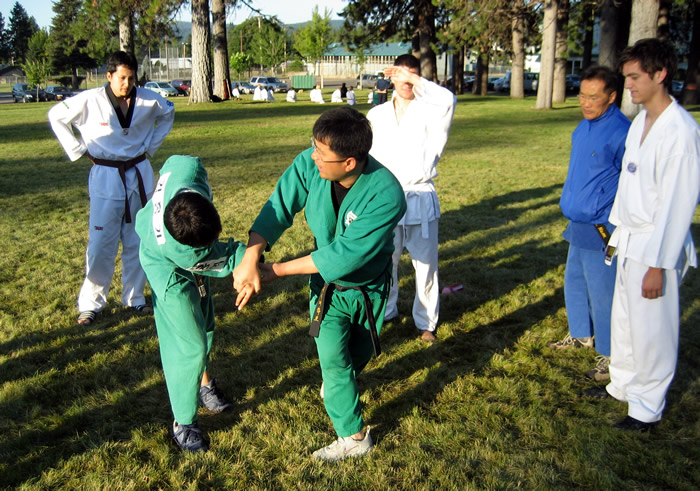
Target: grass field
488,406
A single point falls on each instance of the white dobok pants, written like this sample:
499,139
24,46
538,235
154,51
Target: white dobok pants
107,228
644,341
424,256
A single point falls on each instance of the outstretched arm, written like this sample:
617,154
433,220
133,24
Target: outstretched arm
246,277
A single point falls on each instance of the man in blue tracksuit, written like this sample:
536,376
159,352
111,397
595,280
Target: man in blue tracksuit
597,147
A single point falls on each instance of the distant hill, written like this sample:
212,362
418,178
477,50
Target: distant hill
183,29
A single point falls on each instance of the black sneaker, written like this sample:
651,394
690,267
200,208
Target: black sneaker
632,424
213,399
189,437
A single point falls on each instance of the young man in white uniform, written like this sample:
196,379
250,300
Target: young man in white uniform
653,210
409,137
120,127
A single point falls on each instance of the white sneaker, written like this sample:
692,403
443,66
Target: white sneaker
345,447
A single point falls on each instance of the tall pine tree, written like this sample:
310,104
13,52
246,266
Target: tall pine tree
67,42
21,29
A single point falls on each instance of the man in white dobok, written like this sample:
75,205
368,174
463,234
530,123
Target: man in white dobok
653,210
410,135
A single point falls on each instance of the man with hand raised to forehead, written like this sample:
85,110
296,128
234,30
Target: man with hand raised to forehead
597,147
119,128
653,210
352,205
410,135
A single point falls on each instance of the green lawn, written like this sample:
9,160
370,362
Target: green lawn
488,406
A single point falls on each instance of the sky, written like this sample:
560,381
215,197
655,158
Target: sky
288,11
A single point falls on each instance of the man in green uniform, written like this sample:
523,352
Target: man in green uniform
179,230
352,204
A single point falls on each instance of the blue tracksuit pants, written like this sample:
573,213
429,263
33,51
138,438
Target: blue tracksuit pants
588,291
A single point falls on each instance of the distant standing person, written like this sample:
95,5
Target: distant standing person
343,91
597,147
121,127
409,137
381,88
351,97
653,211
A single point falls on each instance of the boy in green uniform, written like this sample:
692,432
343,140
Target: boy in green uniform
179,230
352,204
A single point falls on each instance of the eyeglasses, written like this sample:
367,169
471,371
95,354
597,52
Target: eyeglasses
594,99
313,145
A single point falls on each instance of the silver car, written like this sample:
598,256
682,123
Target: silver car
163,88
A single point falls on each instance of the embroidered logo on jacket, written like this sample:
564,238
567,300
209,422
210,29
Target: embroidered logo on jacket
632,167
349,218
211,265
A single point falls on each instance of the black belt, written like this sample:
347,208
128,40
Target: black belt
320,311
603,232
123,166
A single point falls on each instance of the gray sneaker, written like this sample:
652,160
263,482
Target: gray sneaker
601,372
569,342
189,437
213,399
345,447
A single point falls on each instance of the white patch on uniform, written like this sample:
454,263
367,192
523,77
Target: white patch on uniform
349,218
211,265
159,208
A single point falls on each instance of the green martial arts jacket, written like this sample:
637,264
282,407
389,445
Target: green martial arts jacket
354,247
165,260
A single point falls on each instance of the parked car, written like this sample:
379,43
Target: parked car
245,87
182,86
467,83
366,80
273,83
162,88
677,87
57,93
27,93
530,81
573,82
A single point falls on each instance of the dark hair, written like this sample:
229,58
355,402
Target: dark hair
346,131
122,58
598,72
653,55
192,219
408,61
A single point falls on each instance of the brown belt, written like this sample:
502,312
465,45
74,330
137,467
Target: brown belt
123,166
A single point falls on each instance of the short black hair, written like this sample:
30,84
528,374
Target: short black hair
346,131
653,55
606,75
192,219
122,58
408,61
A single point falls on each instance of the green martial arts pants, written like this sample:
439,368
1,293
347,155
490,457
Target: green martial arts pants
344,347
185,325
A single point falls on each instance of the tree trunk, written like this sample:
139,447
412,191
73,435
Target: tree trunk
645,14
549,33
692,76
662,24
560,53
200,91
458,70
221,68
517,90
126,33
588,17
425,13
614,31
481,78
